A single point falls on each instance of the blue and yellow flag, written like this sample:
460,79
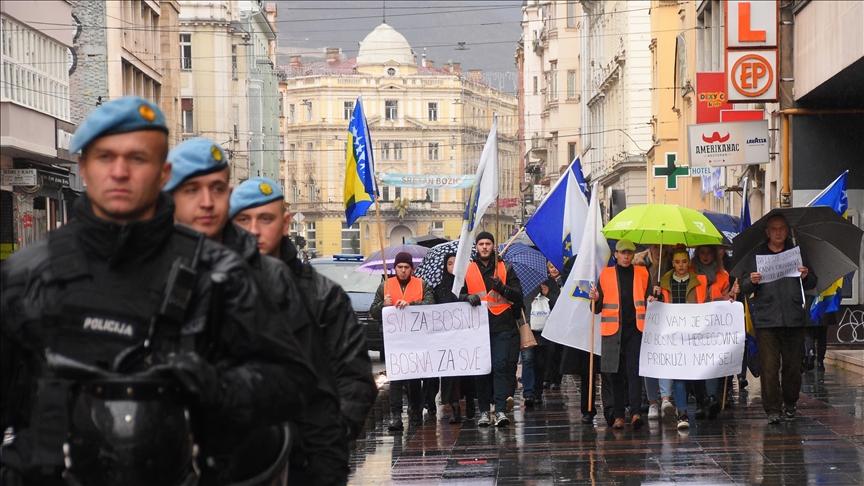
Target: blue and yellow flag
834,196
360,186
748,318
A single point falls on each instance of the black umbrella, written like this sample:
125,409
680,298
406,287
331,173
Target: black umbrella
830,243
428,241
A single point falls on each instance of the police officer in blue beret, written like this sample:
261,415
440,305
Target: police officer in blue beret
126,339
200,189
257,206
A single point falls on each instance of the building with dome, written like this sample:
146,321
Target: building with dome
424,120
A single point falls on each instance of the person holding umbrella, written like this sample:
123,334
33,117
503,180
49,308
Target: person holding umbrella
403,290
620,300
778,316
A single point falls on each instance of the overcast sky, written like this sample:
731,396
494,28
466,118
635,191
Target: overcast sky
489,29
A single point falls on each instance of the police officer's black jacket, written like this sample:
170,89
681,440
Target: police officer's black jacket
323,445
343,335
89,290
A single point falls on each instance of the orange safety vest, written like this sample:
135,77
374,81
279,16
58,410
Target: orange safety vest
609,313
719,285
700,291
496,302
413,291
715,290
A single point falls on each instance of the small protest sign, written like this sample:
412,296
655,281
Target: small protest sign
426,341
692,341
780,265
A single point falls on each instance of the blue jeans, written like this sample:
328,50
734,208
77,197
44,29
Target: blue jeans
493,387
653,386
665,385
533,365
679,387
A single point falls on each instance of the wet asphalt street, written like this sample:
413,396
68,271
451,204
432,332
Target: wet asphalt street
548,445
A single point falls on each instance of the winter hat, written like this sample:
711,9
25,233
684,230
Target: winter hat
484,235
403,257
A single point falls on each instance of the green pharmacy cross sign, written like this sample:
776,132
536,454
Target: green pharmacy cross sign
671,171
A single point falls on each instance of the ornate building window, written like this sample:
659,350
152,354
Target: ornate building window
433,151
391,110
433,111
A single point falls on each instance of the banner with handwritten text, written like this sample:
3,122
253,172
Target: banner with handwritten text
426,341
692,341
780,265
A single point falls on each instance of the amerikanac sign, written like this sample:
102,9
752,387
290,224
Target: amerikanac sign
721,144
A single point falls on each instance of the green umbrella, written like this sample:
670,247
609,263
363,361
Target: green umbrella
661,224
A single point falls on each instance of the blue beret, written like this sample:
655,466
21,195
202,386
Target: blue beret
192,158
123,115
252,193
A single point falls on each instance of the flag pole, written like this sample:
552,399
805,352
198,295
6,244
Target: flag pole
512,240
593,306
381,240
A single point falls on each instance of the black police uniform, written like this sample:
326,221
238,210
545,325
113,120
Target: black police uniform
90,292
320,456
343,338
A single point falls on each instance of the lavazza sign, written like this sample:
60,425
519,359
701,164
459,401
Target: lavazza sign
735,143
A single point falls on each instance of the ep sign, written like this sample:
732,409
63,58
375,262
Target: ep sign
751,51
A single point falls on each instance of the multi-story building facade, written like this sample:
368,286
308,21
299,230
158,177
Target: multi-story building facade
673,106
550,62
229,87
125,47
35,121
616,92
423,121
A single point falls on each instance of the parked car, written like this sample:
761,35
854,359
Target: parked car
360,287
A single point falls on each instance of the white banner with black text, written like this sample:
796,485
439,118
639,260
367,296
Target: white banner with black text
426,341
692,341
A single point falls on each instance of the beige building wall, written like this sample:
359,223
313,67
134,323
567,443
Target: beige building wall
672,24
449,142
214,80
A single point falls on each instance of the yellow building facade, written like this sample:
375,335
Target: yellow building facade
423,120
673,75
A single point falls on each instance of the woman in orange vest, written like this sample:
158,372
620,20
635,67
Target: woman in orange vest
620,300
709,263
681,286
403,290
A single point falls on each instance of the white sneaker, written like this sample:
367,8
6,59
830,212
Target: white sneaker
485,420
668,408
654,412
501,420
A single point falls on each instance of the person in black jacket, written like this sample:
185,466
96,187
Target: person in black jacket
88,305
266,217
453,388
494,281
777,309
199,187
534,359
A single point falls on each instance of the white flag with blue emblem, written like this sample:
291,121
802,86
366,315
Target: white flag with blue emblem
575,216
570,321
483,194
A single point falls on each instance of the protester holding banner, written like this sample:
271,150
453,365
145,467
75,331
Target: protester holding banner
709,263
682,286
491,279
650,259
453,388
620,300
779,318
401,291
538,305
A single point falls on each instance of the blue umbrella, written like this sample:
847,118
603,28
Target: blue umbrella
726,224
529,264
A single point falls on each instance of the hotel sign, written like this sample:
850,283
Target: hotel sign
722,144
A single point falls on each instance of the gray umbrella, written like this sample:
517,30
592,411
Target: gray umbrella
830,243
